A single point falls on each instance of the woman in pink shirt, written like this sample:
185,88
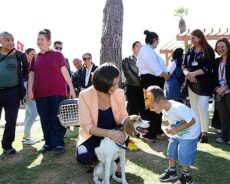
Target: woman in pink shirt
48,77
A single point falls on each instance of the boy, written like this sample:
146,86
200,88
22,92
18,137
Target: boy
184,128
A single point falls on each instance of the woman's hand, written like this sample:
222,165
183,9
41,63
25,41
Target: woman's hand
72,93
117,136
192,74
166,76
30,95
193,80
221,90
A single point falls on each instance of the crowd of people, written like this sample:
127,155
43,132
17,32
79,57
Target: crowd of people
48,80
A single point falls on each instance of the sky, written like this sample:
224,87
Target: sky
78,23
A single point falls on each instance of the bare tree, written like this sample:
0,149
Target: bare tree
111,41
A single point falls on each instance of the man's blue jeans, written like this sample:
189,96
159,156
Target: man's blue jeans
53,131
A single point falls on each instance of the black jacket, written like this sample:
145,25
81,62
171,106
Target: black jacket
204,85
130,71
83,75
216,74
23,64
76,80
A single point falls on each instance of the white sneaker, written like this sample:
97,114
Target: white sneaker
220,140
29,140
219,131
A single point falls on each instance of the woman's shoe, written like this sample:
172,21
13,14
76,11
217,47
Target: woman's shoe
59,151
204,139
44,149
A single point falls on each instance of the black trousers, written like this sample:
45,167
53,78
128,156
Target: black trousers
9,100
224,112
135,97
154,118
216,117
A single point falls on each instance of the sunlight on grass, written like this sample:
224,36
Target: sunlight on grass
36,162
146,148
212,150
147,175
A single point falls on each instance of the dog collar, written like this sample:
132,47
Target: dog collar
121,145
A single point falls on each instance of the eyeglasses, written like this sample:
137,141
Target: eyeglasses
58,48
84,59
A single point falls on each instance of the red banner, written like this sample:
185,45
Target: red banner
20,46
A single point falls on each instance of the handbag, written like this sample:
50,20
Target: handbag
184,90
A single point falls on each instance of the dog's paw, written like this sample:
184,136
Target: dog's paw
96,181
119,180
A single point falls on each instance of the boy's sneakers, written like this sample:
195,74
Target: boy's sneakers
168,175
185,179
9,151
29,140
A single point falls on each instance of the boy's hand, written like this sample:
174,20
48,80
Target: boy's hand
171,130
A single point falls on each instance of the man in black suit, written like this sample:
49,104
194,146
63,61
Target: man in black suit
58,45
76,75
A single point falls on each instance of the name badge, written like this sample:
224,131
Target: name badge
222,82
194,63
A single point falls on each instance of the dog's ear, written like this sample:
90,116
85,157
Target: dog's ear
128,127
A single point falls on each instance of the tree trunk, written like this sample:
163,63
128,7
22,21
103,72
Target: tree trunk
111,40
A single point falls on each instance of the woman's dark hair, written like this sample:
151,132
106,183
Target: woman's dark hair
178,55
28,50
150,37
46,33
103,77
203,42
227,43
134,44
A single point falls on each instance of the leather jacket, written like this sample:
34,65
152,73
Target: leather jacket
131,71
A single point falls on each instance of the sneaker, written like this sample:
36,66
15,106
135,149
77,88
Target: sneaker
168,176
185,179
219,131
220,140
59,150
29,140
9,151
204,139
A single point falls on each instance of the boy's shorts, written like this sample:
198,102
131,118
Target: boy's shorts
182,150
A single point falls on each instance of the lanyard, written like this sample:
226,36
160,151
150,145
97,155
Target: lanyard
222,69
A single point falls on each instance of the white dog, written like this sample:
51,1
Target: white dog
109,151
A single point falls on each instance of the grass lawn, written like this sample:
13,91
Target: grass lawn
143,166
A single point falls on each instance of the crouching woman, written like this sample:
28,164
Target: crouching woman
101,109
